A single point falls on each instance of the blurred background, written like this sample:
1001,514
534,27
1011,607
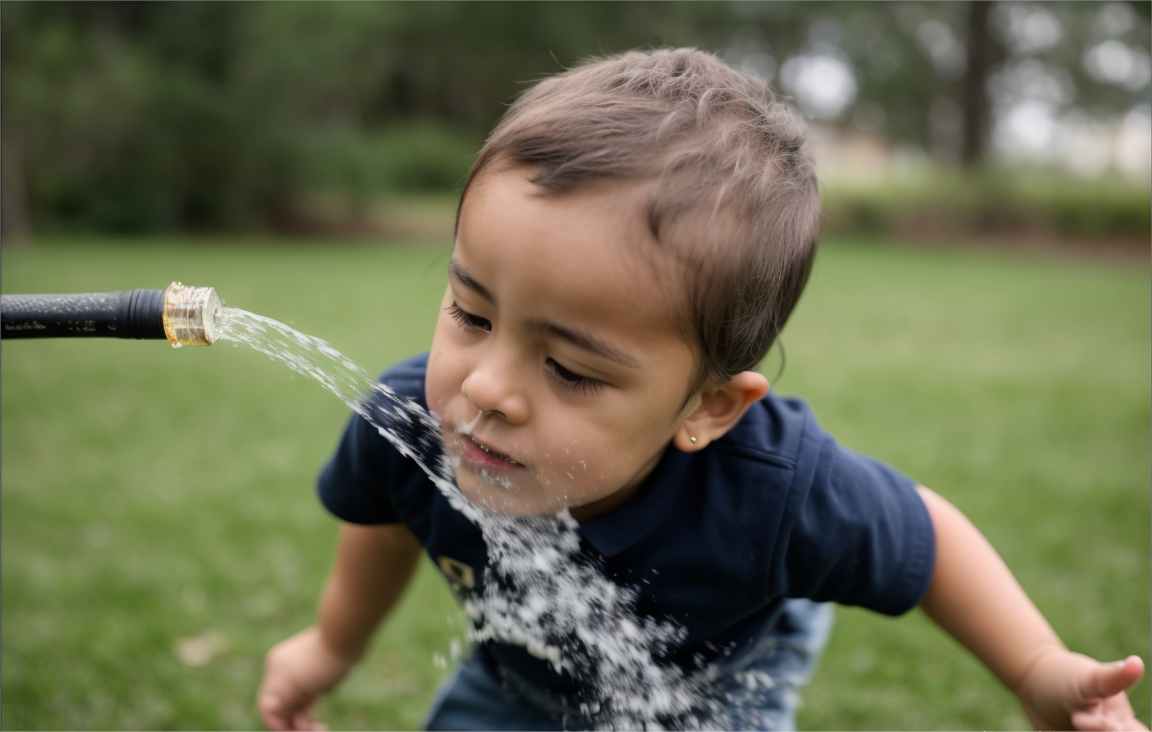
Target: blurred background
978,317
308,117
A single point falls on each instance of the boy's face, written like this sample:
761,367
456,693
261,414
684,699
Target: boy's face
557,367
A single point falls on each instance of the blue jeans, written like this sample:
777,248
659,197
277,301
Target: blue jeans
474,698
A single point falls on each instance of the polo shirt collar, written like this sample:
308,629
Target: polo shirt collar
613,532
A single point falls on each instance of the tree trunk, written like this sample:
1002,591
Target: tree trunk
975,98
13,198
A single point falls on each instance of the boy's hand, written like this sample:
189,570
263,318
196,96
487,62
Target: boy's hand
1065,690
297,671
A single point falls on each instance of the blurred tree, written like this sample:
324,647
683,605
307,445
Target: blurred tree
144,116
981,52
937,76
120,127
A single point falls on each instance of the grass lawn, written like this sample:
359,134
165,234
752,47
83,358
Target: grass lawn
160,529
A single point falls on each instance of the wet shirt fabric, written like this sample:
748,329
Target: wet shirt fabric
714,541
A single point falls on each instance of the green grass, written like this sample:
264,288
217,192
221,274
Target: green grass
152,495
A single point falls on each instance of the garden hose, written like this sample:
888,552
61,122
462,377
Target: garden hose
184,316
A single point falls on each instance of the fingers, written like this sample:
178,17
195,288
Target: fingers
1096,720
278,714
273,713
1109,679
1090,721
1108,707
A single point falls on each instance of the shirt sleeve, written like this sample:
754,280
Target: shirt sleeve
354,484
860,535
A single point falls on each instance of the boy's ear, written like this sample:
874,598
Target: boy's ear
717,408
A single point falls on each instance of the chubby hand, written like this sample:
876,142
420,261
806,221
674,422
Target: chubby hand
1065,690
297,671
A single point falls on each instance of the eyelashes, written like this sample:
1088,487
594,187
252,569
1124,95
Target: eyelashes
564,377
572,380
467,319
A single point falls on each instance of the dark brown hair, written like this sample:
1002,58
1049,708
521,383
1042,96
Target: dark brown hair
734,195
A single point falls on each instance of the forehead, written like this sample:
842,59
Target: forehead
584,255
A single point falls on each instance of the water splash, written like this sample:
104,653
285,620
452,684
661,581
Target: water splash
542,596
470,425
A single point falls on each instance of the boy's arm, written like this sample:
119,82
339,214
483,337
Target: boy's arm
373,566
975,598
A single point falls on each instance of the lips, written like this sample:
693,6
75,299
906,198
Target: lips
479,452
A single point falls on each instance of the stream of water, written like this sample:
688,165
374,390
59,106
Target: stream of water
547,590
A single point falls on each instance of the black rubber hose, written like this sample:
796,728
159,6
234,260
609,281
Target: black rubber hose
128,314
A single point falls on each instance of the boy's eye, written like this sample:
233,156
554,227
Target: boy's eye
572,380
467,319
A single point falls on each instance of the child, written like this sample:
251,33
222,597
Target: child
633,237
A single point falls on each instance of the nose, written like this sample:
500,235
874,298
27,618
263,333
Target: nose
492,387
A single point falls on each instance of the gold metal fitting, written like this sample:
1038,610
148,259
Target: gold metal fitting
190,314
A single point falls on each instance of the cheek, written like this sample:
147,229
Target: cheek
574,461
444,373
434,395
602,454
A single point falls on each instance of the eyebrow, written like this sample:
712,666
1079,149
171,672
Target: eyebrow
585,342
580,339
471,282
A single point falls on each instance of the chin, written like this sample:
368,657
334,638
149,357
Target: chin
497,495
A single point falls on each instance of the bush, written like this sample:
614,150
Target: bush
413,158
995,202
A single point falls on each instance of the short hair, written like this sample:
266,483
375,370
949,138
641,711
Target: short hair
735,196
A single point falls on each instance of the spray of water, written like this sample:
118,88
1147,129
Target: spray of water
542,595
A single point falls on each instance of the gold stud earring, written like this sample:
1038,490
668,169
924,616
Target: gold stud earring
692,439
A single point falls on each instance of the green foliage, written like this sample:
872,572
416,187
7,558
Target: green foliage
419,157
996,202
1089,208
132,118
909,60
143,117
423,158
154,497
129,125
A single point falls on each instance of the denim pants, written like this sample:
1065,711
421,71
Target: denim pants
475,698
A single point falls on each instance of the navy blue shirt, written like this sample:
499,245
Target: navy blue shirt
714,540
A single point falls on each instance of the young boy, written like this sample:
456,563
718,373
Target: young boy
633,237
